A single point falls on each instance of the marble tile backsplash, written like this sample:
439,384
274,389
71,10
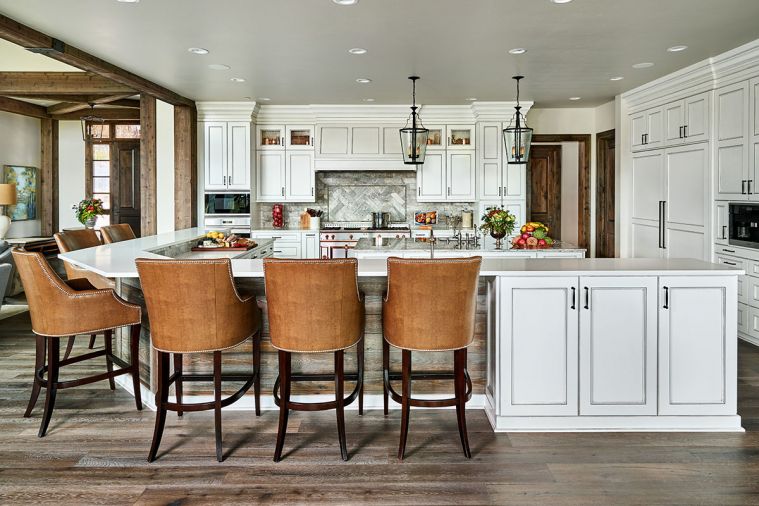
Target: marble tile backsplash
345,196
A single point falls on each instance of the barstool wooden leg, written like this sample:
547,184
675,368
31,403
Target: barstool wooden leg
39,363
108,355
92,341
406,404
69,347
340,408
459,360
284,388
257,371
134,352
178,380
385,372
217,403
53,352
360,365
161,398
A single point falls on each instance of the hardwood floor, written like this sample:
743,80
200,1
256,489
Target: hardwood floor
97,445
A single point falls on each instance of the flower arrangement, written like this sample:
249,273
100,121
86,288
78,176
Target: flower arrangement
88,210
498,221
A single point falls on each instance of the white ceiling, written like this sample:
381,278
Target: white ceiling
295,51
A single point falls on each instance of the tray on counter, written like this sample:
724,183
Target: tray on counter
203,248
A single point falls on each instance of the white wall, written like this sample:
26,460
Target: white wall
20,145
70,172
165,167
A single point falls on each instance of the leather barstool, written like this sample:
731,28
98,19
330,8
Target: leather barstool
61,309
315,306
75,240
448,288
194,307
117,233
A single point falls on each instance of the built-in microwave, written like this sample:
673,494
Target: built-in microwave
227,203
744,225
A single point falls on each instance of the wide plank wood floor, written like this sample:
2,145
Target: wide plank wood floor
97,444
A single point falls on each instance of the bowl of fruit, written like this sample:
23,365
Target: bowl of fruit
214,240
533,235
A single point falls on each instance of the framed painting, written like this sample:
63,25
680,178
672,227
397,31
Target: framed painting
25,179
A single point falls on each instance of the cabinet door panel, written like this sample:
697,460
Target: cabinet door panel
334,140
539,352
674,120
310,246
238,156
697,118
299,177
732,106
687,172
515,185
731,171
461,137
461,177
490,180
720,222
431,178
365,140
391,141
637,130
270,137
270,176
645,240
648,184
215,153
754,88
618,337
744,313
697,345
300,137
655,128
683,241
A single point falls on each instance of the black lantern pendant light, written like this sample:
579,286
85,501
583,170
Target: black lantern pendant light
517,138
92,126
414,138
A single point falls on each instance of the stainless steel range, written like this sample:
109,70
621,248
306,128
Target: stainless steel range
335,239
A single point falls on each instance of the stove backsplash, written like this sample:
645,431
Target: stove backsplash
352,196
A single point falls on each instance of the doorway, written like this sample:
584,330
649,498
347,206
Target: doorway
125,185
544,187
605,197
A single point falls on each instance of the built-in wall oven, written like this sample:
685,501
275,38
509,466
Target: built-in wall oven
228,211
744,225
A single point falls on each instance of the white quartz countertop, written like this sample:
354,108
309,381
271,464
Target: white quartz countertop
391,245
117,261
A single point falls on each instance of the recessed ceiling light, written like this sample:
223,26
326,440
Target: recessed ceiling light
574,99
368,100
128,1
471,99
517,50
357,50
560,1
617,78
643,65
345,2
237,80
219,66
247,98
198,50
263,99
677,49
363,80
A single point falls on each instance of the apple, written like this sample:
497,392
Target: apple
522,241
541,242
529,228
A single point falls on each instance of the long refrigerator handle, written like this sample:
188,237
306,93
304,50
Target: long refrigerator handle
662,229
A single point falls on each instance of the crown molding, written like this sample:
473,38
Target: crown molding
225,111
729,67
498,111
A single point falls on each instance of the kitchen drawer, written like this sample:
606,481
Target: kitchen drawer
286,250
751,287
743,317
277,236
743,281
752,268
753,322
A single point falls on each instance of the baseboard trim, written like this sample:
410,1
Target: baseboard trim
749,339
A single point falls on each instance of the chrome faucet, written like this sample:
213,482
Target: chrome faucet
432,241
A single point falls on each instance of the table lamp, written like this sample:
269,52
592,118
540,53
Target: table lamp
7,198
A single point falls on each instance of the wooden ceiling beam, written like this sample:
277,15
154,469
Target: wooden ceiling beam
34,40
67,107
61,83
23,108
55,97
121,113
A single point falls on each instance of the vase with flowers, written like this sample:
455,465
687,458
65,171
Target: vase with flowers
87,211
499,222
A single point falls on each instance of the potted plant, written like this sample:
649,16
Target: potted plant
499,222
88,210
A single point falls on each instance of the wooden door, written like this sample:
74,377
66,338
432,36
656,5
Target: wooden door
125,184
605,184
545,187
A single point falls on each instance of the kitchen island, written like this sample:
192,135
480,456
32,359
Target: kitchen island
450,248
561,344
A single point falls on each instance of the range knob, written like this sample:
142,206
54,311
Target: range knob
397,236
350,236
333,236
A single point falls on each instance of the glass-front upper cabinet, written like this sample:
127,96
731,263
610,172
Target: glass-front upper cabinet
300,137
436,137
461,136
270,137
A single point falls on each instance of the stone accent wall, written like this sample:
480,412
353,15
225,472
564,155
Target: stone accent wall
347,196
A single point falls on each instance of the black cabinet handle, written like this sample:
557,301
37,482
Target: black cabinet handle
685,131
681,132
573,298
743,187
724,231
749,186
666,297
728,250
728,263
587,298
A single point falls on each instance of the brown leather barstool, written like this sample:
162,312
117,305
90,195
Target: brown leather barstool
194,307
75,240
61,309
448,288
117,233
315,306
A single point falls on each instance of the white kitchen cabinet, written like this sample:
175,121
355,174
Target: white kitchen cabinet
436,138
431,178
460,136
270,137
637,131
695,341
754,135
461,169
497,178
646,240
687,121
391,141
226,152
647,129
648,185
270,176
310,245
286,244
618,337
721,222
300,178
674,120
538,352
299,137
365,140
333,140
733,176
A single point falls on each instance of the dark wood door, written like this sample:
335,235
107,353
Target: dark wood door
605,184
544,186
125,184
